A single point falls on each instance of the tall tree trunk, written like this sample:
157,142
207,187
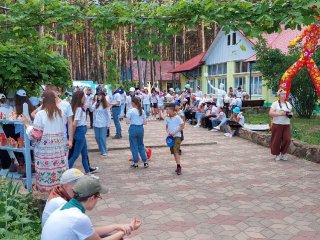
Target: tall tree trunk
174,59
139,71
203,39
131,54
87,51
98,65
183,55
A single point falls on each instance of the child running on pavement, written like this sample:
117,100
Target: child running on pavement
174,126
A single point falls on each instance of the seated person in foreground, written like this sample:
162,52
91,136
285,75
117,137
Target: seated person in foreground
61,194
70,221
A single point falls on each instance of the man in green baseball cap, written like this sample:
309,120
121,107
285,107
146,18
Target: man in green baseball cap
70,221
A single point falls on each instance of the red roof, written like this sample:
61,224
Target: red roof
165,67
280,40
189,65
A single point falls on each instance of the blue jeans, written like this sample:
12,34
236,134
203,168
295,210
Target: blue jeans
80,146
100,134
136,133
146,108
199,117
215,122
115,113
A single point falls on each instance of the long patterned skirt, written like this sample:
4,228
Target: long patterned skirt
50,161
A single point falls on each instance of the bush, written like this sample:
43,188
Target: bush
19,219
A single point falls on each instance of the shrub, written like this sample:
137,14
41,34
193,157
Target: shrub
19,218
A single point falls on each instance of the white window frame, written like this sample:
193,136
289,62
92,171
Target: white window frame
254,92
223,66
236,82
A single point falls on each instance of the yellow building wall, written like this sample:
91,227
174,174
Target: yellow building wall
230,72
183,81
204,85
267,94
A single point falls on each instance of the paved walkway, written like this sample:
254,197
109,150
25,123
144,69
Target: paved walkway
230,188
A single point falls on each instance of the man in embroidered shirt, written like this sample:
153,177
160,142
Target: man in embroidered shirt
70,221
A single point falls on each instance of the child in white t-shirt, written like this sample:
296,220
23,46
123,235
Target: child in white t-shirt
174,126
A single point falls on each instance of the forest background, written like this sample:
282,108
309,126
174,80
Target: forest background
52,41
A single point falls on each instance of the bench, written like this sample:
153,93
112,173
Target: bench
253,103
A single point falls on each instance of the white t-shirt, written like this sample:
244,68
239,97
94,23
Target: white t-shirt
283,120
239,94
214,110
50,207
81,117
66,109
146,98
198,94
6,109
160,101
69,224
241,119
173,124
116,98
154,98
128,102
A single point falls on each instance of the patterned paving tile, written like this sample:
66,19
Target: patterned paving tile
231,190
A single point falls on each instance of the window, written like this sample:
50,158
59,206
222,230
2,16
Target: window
221,80
241,67
195,72
212,70
217,69
215,82
229,40
240,81
256,85
209,89
192,85
234,38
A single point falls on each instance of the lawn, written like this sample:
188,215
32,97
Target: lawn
305,130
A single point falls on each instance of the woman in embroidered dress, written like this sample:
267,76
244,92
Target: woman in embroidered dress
49,152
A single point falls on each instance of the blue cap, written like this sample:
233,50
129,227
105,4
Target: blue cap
177,103
170,141
236,110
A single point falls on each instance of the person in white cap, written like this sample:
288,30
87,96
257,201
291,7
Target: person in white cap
70,221
129,97
4,107
62,193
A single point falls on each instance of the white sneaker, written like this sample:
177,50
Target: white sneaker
228,134
217,127
284,157
278,157
104,154
213,130
196,126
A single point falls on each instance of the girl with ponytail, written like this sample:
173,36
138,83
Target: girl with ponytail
136,117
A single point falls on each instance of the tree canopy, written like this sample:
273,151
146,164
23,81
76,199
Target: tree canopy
154,23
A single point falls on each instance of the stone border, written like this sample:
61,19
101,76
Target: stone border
297,148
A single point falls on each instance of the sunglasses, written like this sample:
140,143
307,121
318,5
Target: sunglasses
98,196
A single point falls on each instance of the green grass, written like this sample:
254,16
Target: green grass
305,130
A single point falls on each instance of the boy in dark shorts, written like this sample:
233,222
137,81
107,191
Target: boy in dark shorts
174,126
